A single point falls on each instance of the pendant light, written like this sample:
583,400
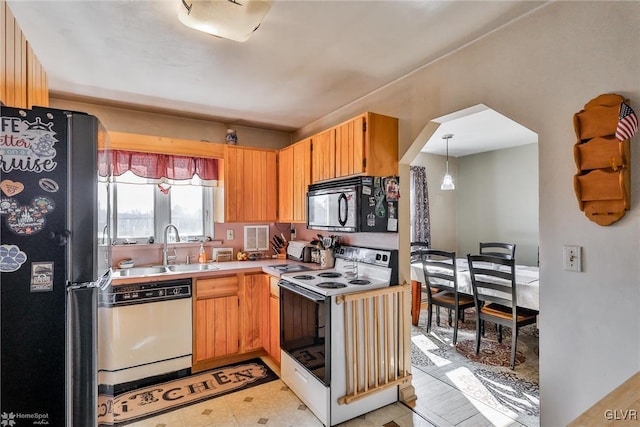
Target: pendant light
447,181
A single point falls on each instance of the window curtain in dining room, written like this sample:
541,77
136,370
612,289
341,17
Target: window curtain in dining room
420,221
160,168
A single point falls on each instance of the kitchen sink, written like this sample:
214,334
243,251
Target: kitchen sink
140,271
162,269
191,267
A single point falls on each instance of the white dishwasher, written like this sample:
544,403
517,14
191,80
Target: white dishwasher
144,333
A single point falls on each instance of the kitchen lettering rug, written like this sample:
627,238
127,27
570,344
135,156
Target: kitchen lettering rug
153,400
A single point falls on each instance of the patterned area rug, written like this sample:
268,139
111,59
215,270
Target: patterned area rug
153,400
485,377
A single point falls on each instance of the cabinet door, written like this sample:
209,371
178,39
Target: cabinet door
285,184
250,183
301,179
323,156
294,177
254,312
274,327
216,327
350,140
13,61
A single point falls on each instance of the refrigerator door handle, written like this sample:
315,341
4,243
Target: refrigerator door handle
60,238
82,354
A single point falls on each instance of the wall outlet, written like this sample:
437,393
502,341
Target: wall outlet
229,234
572,258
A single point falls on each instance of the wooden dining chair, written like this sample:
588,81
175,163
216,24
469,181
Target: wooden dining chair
440,274
418,295
504,250
493,279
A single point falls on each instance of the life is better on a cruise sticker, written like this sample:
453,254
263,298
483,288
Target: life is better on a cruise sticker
27,146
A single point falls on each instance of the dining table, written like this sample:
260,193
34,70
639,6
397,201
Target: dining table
527,285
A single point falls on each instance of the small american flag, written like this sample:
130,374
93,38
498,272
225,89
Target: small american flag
627,123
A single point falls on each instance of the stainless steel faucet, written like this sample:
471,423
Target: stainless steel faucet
165,250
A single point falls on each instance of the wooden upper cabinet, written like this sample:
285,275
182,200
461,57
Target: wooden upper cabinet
350,147
23,82
380,156
250,184
294,175
364,145
323,156
285,184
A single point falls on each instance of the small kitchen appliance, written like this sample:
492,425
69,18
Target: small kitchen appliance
222,254
56,255
313,330
299,251
357,204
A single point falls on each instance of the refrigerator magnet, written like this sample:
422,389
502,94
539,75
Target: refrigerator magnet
41,276
23,219
11,258
392,224
392,189
11,188
47,184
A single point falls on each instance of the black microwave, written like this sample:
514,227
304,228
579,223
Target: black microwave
357,204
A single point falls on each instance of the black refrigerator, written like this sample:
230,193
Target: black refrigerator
54,257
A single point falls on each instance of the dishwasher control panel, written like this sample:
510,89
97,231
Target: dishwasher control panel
142,293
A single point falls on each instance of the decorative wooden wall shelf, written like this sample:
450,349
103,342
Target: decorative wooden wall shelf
603,179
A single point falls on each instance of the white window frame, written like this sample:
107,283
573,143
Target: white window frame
162,216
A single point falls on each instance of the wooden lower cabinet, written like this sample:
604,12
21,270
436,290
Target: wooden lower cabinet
231,319
274,320
254,312
217,328
216,314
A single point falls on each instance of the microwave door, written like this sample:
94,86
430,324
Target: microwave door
343,209
332,211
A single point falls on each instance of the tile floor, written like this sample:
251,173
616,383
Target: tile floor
274,404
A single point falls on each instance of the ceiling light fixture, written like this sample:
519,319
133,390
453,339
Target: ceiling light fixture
230,19
447,181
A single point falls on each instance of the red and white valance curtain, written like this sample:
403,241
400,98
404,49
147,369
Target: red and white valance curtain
159,168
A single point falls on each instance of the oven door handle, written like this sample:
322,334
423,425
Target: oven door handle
343,197
303,292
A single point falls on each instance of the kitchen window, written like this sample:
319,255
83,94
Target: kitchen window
151,190
143,209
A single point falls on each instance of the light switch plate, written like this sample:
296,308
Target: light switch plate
571,258
229,234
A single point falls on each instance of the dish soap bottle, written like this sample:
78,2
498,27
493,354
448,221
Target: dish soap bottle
202,256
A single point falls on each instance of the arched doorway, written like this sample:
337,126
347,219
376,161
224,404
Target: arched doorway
494,163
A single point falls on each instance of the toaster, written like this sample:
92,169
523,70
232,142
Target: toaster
222,254
299,251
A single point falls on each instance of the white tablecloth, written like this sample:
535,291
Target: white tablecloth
527,282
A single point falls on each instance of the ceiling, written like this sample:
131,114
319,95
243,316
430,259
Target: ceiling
307,59
477,129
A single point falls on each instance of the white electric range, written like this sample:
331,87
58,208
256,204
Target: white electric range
312,330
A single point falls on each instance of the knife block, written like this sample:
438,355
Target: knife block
282,252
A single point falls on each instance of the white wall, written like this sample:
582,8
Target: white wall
497,201
539,71
120,119
442,204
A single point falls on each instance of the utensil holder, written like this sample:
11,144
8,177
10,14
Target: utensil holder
326,258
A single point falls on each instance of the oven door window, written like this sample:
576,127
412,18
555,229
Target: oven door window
303,331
